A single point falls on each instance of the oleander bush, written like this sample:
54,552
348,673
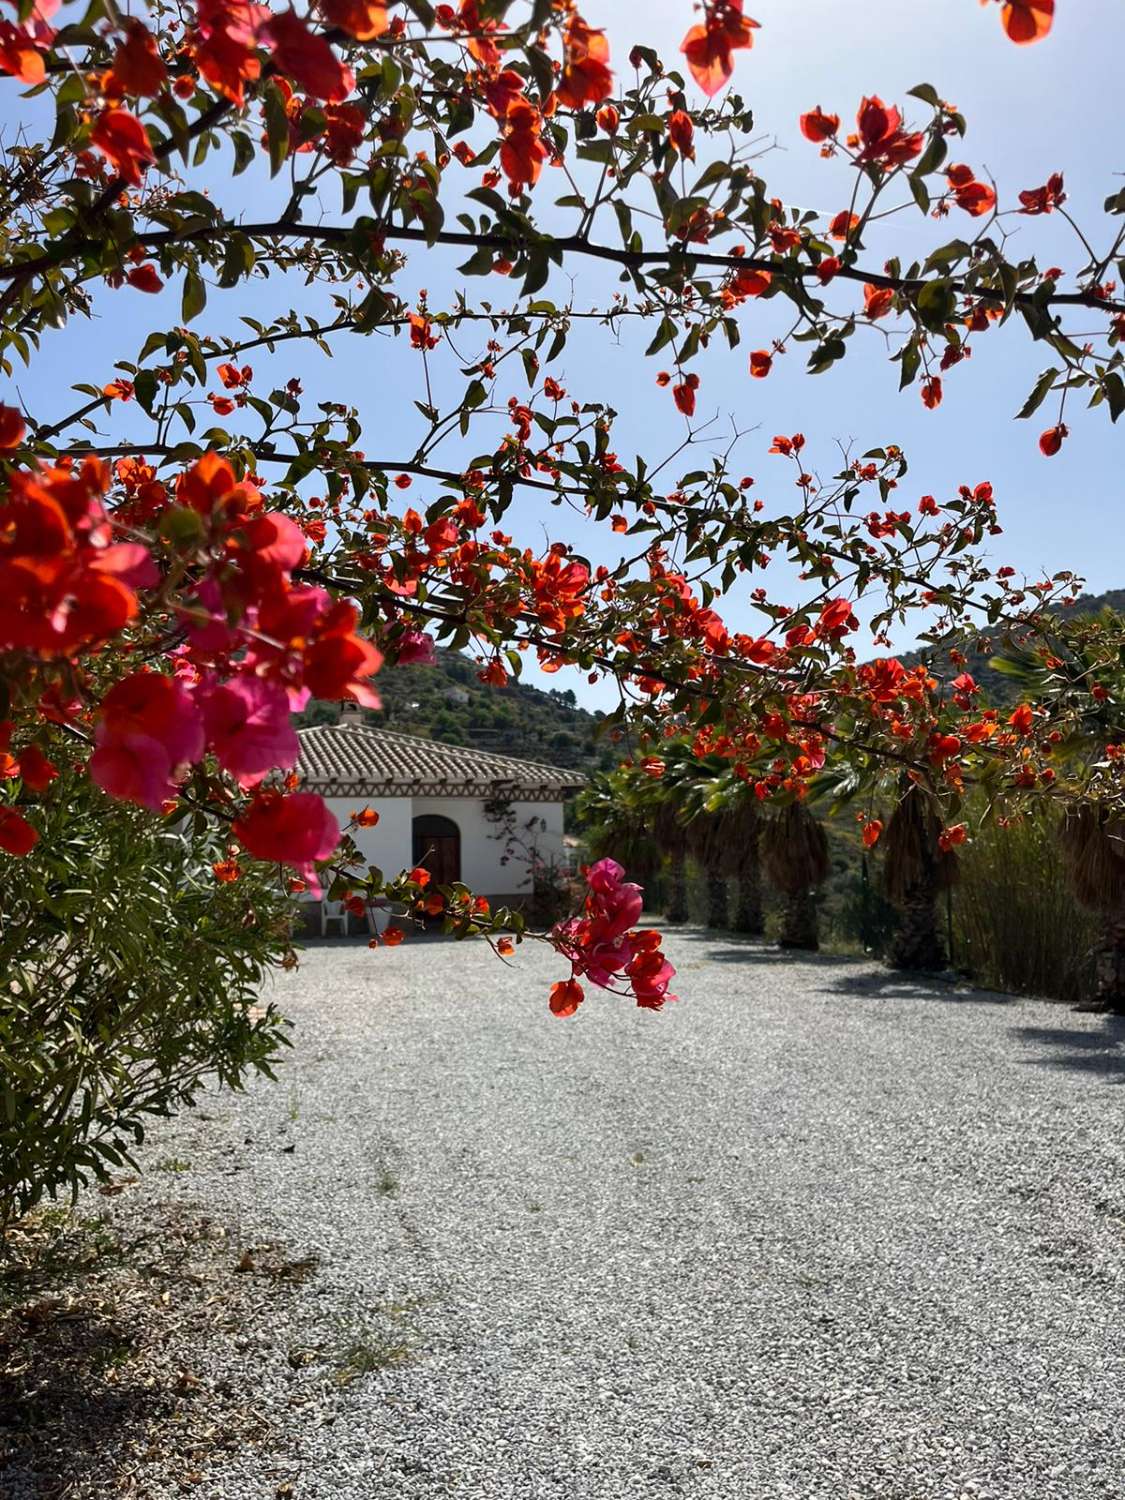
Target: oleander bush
129,979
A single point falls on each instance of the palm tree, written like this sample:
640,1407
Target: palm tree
669,835
616,824
723,829
795,854
1093,842
916,871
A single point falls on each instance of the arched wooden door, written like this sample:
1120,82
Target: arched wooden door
437,847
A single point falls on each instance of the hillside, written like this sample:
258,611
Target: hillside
996,688
448,702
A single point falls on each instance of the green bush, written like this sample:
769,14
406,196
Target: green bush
128,979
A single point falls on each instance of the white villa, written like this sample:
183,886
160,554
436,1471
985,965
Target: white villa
432,799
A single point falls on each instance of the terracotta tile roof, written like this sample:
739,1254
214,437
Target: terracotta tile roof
358,759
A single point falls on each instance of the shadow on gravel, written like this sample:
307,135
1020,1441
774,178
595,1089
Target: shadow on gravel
755,951
69,1428
889,985
1101,1053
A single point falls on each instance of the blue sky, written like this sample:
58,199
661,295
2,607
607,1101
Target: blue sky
1031,111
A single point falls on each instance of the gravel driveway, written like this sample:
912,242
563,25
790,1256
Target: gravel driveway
813,1232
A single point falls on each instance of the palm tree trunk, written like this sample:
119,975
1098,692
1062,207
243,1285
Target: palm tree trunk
716,900
1109,969
917,943
748,905
677,890
799,928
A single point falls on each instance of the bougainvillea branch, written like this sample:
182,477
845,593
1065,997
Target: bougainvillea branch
196,550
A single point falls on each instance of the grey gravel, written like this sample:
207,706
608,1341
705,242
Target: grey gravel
815,1231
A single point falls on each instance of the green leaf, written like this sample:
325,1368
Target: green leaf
927,93
145,388
932,158
277,127
1114,388
1039,393
195,296
936,304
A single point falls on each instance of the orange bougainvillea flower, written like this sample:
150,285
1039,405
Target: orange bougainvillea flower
363,19
224,45
505,947
761,363
883,141
366,818
974,197
145,279
124,142
1027,20
12,427
19,56
681,132
566,996
586,78
1045,199
420,876
1022,718
1052,440
877,300
931,392
871,833
138,67
751,283
522,152
226,871
36,771
683,394
843,225
708,47
307,57
393,936
16,834
817,127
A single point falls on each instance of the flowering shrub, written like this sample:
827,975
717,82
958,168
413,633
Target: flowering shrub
173,589
130,982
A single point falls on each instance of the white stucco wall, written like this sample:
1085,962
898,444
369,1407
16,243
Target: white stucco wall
482,851
389,844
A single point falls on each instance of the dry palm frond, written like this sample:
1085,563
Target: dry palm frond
912,857
795,850
1094,845
725,842
666,826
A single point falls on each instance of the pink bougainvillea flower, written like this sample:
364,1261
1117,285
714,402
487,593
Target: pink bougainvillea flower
134,768
415,648
129,562
248,726
293,829
149,703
